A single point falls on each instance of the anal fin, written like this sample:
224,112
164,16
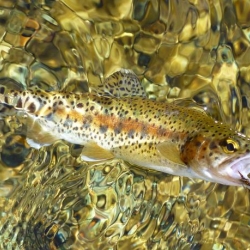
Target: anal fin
92,152
37,135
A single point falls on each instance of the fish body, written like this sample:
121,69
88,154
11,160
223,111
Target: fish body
157,135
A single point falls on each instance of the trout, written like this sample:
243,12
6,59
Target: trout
116,120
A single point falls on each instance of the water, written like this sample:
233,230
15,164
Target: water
49,199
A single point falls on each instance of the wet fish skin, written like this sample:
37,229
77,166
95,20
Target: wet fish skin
165,137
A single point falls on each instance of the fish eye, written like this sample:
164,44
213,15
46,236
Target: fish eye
229,145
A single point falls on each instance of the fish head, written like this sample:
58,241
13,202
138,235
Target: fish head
220,155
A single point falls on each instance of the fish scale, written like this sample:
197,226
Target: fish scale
117,120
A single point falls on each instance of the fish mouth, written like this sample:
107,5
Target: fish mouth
238,170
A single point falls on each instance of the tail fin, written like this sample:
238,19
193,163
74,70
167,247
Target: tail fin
29,101
6,108
17,100
9,97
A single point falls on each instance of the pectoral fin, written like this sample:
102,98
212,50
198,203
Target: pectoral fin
92,152
170,151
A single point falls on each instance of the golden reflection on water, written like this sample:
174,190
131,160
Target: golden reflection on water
49,199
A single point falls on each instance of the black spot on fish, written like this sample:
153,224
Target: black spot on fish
39,99
118,129
32,108
103,129
212,145
19,103
79,105
131,133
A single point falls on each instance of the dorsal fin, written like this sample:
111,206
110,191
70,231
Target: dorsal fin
122,83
